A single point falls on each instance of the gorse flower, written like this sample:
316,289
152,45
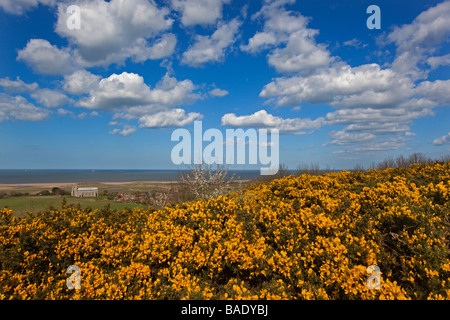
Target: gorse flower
304,237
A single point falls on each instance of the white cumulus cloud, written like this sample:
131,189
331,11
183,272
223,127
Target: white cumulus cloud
342,86
263,119
125,132
19,7
169,118
127,96
212,48
199,11
419,40
291,43
17,86
79,82
442,140
18,108
50,98
45,58
110,32
216,92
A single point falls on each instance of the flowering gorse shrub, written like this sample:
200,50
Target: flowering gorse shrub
305,237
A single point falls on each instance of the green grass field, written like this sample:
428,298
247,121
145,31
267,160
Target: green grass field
21,205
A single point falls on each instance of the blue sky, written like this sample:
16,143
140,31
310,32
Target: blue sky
109,94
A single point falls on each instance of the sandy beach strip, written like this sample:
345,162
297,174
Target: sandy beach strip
49,185
100,185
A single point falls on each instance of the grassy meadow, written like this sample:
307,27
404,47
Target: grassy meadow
21,205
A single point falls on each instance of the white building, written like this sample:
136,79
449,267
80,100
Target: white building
84,192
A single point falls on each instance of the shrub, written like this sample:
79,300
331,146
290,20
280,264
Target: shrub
59,191
205,182
305,237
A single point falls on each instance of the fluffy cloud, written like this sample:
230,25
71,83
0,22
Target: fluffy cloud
218,92
122,91
18,108
116,92
116,30
50,98
299,51
435,62
392,143
442,140
381,121
212,48
345,138
162,48
44,58
170,118
199,11
368,129
64,112
129,97
356,43
262,119
111,32
279,20
342,86
418,40
18,7
260,41
79,82
376,105
171,92
17,86
125,132
436,91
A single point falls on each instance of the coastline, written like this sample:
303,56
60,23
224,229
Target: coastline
100,185
45,185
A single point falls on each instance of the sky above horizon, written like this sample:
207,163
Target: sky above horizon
109,94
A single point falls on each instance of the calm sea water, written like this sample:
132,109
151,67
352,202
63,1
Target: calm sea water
79,176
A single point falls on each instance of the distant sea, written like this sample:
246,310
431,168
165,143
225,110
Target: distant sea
80,176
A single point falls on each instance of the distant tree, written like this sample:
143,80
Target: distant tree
403,162
445,158
419,158
312,169
44,193
204,181
283,171
58,191
110,195
358,167
15,194
386,163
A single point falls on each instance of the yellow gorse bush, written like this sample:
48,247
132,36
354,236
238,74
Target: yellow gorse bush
305,237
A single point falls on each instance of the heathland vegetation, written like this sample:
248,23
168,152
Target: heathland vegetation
294,237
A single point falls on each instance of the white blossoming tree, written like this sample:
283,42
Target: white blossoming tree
204,181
